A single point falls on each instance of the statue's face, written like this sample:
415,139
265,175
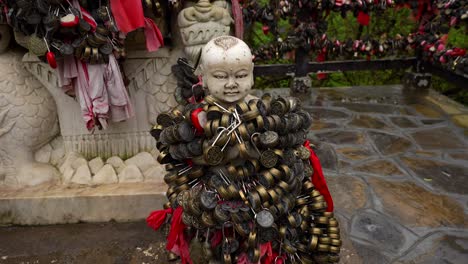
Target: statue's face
227,69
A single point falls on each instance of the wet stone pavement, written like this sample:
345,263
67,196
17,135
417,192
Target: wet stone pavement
396,164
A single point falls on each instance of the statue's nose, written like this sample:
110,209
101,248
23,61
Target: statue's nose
231,84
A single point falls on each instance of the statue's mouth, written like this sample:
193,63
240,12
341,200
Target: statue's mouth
231,93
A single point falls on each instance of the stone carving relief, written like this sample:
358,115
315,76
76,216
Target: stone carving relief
42,135
28,121
200,23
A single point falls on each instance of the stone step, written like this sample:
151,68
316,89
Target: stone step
45,204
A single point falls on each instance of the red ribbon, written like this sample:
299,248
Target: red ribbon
318,179
157,218
176,241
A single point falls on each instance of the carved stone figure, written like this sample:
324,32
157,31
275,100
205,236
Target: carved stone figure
28,120
200,23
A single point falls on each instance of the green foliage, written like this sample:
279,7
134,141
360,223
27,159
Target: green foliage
457,37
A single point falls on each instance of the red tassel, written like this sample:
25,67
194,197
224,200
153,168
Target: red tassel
363,18
157,218
318,179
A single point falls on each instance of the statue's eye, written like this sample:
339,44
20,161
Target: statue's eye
240,76
220,76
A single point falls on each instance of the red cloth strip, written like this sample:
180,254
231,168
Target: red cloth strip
154,38
157,218
176,241
318,179
128,14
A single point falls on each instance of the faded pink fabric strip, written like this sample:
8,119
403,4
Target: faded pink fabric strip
119,102
238,19
82,91
98,92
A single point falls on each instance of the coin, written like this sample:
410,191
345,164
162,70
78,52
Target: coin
213,155
268,159
269,139
265,219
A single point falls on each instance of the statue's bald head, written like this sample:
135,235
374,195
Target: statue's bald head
227,50
227,68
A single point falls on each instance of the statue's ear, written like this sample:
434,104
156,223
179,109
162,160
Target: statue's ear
252,75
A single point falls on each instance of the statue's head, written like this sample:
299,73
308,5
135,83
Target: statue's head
227,69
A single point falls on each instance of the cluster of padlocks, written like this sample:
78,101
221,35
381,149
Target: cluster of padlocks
307,19
58,28
243,179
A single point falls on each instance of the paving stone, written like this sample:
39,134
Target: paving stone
425,153
461,120
342,137
389,144
426,111
438,138
415,206
366,121
440,175
355,153
319,113
459,156
370,254
446,105
373,108
380,231
319,125
349,193
103,243
388,94
348,253
439,248
432,121
343,165
380,167
327,156
403,122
